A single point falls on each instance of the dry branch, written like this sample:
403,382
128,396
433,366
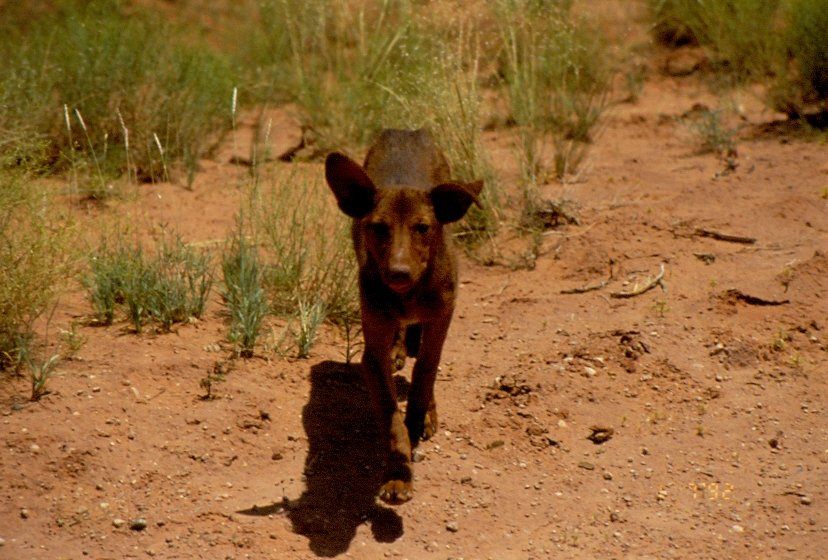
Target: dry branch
584,289
703,232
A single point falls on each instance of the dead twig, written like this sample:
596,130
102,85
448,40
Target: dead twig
637,289
584,289
703,232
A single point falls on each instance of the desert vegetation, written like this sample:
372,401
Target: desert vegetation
97,99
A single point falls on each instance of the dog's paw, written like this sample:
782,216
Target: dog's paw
396,492
397,487
430,424
421,427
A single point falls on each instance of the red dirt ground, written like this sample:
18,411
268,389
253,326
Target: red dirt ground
713,385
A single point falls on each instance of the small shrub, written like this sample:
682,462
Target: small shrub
37,260
713,135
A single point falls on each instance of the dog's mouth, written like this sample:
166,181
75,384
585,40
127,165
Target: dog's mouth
400,285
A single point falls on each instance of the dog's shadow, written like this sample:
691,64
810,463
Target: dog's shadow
343,468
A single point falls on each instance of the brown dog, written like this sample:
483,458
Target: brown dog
400,201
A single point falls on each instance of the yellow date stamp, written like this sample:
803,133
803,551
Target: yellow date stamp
712,491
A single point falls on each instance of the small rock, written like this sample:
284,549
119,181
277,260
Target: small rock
600,434
24,513
118,522
138,524
614,517
34,448
738,529
586,465
607,475
805,500
452,526
2,541
417,456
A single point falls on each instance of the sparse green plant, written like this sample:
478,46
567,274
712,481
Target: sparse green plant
243,292
216,375
796,360
37,259
72,340
713,136
634,79
310,317
350,329
167,286
661,307
780,340
40,374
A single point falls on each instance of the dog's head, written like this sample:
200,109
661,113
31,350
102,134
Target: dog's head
400,228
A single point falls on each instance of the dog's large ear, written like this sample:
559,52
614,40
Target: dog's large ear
451,201
353,189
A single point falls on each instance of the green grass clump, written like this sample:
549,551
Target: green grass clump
802,84
37,262
738,35
349,66
783,43
311,269
556,79
169,285
110,92
243,291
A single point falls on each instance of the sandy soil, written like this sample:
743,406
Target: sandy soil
686,422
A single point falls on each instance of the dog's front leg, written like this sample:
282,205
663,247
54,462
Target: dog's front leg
421,414
378,370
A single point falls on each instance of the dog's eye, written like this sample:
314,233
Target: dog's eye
421,228
379,230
